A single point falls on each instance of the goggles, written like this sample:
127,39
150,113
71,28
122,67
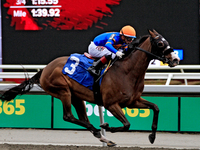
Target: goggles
129,38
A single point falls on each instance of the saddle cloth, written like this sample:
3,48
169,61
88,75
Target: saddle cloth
76,68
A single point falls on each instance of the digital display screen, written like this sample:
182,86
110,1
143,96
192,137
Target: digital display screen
38,31
57,14
179,52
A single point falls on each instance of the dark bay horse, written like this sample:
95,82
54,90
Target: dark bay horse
121,86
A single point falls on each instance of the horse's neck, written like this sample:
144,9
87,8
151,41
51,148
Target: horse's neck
146,45
139,61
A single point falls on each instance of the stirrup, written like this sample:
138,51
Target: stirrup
93,71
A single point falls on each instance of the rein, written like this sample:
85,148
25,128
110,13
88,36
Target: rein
108,67
165,60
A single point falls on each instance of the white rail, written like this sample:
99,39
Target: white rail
151,67
16,75
34,67
179,67
168,76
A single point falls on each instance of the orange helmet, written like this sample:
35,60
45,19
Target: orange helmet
128,31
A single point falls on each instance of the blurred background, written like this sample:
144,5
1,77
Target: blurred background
34,33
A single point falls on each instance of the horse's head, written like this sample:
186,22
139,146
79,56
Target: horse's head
161,48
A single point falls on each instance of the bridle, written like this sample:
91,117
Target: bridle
163,59
167,50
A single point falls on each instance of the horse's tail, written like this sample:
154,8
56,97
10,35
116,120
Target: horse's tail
21,89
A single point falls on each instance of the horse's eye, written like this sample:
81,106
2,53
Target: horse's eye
160,44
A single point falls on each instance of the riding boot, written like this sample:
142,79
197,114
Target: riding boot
95,68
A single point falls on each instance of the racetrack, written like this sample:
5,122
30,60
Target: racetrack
39,139
51,147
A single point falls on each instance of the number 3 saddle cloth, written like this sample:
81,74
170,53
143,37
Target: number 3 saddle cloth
76,68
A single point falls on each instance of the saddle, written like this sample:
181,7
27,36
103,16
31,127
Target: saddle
89,56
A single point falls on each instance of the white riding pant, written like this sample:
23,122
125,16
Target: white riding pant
99,51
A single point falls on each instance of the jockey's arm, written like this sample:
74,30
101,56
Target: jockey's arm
109,46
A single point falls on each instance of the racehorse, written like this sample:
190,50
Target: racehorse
121,86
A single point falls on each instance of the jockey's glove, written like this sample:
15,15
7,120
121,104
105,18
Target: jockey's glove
119,54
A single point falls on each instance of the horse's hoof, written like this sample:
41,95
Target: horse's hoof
152,138
104,125
111,144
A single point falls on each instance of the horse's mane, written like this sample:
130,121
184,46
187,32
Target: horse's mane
142,39
135,43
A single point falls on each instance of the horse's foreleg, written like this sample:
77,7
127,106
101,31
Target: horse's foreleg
116,110
83,118
84,122
155,109
142,103
79,105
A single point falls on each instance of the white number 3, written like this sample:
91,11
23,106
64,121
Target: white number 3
73,65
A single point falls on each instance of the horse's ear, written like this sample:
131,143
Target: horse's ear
149,30
155,31
152,33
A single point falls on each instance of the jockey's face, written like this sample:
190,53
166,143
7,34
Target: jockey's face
127,40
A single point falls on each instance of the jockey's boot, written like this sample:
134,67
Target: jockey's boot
95,68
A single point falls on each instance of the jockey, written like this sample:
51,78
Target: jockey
108,45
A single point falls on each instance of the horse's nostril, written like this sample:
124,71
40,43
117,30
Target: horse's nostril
176,61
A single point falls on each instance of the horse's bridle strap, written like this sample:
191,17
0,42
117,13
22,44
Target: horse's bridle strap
155,56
